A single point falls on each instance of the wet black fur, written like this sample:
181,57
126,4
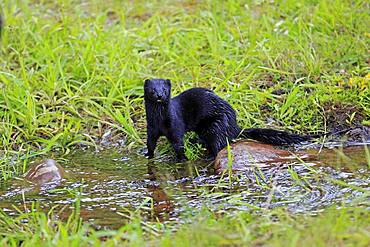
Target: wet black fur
202,111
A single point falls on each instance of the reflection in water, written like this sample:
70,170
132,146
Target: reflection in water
168,191
162,205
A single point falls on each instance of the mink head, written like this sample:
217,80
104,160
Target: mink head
157,90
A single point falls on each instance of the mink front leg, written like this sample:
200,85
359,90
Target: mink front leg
152,138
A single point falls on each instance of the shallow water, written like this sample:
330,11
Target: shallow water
112,182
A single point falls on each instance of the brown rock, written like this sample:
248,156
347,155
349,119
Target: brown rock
45,172
245,154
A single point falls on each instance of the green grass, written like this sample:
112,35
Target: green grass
333,227
72,71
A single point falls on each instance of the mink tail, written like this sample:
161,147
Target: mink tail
275,137
278,137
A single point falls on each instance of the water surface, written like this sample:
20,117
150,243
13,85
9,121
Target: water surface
112,182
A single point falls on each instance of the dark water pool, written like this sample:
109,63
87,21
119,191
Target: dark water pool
112,182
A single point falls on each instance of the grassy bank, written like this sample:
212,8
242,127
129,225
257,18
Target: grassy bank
71,70
333,227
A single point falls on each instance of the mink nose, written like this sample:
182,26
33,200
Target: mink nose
154,94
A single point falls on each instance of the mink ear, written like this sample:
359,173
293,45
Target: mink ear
168,82
146,81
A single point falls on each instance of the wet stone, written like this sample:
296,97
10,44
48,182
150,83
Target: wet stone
245,154
45,172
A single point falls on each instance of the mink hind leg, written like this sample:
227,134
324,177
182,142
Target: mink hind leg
215,139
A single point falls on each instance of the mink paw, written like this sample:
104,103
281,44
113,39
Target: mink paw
149,155
181,159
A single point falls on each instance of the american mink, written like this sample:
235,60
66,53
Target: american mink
202,111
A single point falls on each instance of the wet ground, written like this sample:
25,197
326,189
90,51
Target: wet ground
111,182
